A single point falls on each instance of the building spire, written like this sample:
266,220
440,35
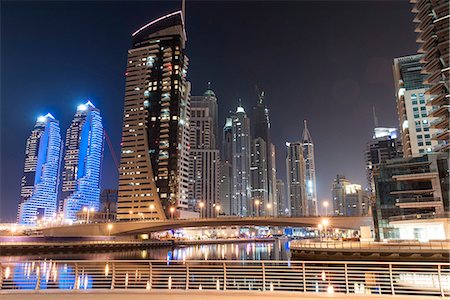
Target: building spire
375,119
183,11
209,85
306,135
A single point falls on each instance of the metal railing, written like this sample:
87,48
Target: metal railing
384,278
372,246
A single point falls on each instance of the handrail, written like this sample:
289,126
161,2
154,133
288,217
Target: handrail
380,246
384,278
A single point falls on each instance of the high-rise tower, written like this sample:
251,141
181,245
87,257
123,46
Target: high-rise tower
226,176
296,181
432,18
204,160
310,172
40,179
154,164
262,162
411,106
241,192
83,155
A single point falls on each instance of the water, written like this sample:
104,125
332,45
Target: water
272,250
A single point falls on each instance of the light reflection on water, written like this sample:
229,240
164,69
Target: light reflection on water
276,250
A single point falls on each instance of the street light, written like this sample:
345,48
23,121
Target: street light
257,202
87,210
269,207
152,208
320,226
325,204
172,210
201,205
110,226
217,210
325,223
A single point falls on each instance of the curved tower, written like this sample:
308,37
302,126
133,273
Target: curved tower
154,165
40,179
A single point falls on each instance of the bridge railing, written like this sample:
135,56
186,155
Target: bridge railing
376,246
384,278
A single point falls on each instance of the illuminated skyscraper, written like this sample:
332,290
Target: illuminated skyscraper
40,179
348,199
226,175
432,18
310,172
411,106
204,160
83,155
262,162
295,171
241,192
154,165
283,206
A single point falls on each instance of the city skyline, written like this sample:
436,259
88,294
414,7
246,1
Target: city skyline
292,131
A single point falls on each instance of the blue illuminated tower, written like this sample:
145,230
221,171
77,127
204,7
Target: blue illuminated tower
82,162
41,172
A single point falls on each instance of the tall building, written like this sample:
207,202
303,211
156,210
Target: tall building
432,18
348,199
204,160
108,203
154,166
83,155
40,181
384,145
241,204
411,106
310,172
283,206
296,180
411,189
262,163
226,170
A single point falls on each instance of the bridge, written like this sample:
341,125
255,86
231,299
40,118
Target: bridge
149,226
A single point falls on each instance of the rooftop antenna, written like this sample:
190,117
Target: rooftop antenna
375,119
209,85
260,95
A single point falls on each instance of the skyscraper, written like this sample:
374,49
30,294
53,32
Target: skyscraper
348,199
411,106
283,206
226,170
295,171
40,181
310,172
83,155
262,154
204,160
154,164
240,148
384,145
432,18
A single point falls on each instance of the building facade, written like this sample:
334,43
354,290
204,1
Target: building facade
296,180
40,181
283,206
83,155
241,203
226,170
411,106
410,188
310,172
204,158
154,166
432,18
385,144
348,199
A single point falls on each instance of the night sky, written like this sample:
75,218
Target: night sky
327,62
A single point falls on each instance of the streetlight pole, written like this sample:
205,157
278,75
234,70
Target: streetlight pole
269,206
110,226
201,205
257,207
172,210
325,204
217,210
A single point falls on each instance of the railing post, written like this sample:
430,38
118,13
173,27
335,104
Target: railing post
391,279
441,288
77,284
346,278
264,276
1,276
187,276
224,276
38,277
304,277
113,275
150,274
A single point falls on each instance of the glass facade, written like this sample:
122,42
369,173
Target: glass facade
82,162
40,179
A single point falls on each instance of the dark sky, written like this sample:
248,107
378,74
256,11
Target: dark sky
327,62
